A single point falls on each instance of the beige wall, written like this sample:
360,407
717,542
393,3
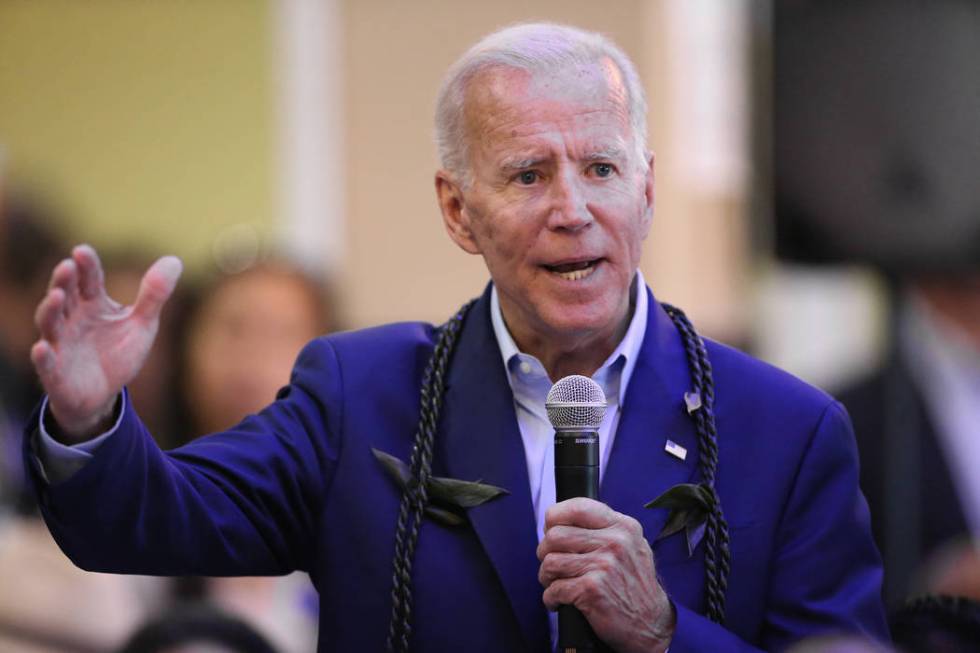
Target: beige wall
150,122
401,265
154,122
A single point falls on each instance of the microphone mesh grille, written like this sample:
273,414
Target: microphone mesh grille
576,402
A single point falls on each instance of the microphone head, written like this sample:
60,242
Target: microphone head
575,403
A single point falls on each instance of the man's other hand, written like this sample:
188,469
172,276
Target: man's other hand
91,346
597,559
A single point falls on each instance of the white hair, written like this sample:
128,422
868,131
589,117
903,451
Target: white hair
540,49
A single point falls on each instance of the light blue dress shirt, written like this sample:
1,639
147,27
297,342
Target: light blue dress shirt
530,384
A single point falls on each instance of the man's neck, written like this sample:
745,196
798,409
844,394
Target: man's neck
563,354
569,355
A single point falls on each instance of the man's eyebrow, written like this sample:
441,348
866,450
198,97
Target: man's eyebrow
522,163
612,152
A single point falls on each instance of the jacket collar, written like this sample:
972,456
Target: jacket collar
480,440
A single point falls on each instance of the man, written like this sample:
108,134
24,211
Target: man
545,175
917,420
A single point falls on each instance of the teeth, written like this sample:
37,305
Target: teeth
576,274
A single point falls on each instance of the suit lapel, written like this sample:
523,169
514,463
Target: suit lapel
639,467
480,440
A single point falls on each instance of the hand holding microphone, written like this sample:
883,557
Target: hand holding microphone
596,566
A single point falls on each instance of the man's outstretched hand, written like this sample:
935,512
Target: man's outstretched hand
91,346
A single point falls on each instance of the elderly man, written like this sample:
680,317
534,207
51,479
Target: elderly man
355,470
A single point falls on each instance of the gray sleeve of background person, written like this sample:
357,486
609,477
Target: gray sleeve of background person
58,462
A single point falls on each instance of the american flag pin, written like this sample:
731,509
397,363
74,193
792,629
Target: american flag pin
675,450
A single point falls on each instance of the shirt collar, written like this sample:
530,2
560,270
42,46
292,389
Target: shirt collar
614,374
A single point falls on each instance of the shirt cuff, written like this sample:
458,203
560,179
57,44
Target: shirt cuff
58,462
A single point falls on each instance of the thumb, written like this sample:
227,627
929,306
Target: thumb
156,287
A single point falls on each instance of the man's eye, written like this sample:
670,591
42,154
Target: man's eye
527,177
602,169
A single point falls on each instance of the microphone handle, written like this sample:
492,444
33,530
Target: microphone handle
576,475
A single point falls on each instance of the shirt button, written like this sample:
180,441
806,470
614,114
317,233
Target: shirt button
525,367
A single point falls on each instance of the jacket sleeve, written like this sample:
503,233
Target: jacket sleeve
242,502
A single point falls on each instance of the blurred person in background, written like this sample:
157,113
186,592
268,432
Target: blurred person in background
917,421
46,605
953,570
839,644
31,240
876,145
196,628
937,624
232,360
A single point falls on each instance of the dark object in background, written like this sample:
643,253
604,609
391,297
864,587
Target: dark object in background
876,140
31,243
937,624
190,624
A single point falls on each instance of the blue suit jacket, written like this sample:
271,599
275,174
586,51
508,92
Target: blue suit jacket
297,487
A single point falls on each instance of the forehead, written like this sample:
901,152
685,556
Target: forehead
508,107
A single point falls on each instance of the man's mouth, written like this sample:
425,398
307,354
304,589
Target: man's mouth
574,271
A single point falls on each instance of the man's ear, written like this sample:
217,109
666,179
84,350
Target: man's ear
648,193
454,214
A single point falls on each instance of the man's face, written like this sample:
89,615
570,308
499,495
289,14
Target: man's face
558,202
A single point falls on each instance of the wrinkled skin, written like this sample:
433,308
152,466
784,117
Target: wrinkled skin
91,346
555,178
597,559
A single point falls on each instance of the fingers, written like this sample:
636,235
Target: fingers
581,525
583,592
50,315
91,278
581,512
566,565
43,357
156,287
65,277
570,539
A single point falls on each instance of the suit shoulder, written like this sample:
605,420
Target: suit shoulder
386,337
382,351
753,382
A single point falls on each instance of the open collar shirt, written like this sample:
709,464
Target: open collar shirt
530,384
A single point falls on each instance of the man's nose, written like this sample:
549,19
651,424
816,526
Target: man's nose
569,210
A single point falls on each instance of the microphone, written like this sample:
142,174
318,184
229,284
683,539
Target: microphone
576,405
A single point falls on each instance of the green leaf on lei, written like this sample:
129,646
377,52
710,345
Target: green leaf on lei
688,505
447,496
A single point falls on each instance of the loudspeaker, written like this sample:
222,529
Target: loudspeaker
876,133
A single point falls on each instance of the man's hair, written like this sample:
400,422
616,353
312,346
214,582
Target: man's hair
540,49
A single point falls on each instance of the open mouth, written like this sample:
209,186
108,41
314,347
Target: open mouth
574,271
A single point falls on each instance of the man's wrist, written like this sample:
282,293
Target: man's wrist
664,629
99,424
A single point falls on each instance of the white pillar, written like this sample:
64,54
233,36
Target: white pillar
310,101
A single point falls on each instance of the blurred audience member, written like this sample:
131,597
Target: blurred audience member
917,421
240,337
30,243
839,644
954,570
937,624
196,629
48,605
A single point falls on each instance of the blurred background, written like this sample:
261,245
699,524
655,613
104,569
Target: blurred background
817,204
